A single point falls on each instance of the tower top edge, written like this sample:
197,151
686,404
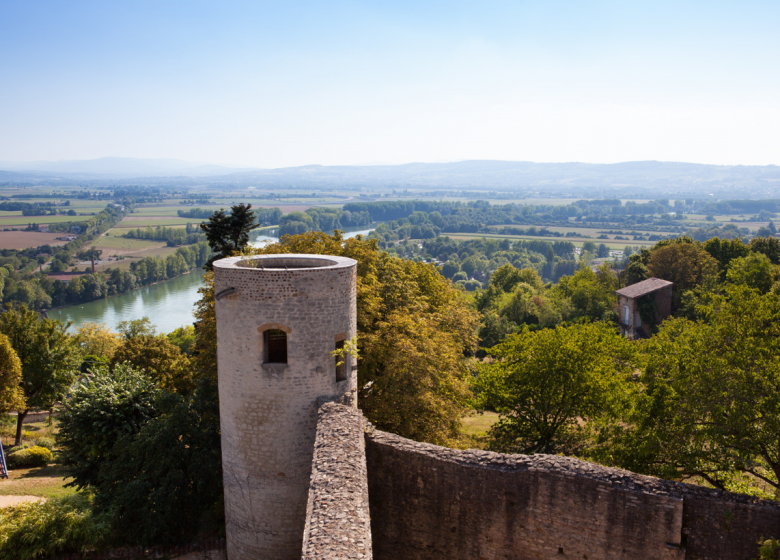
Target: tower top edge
285,261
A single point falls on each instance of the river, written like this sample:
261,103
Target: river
169,305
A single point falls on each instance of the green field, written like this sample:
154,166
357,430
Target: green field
109,242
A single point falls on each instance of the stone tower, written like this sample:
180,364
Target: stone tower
279,317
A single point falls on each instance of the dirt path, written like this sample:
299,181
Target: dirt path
6,501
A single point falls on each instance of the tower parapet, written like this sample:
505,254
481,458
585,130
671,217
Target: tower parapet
279,317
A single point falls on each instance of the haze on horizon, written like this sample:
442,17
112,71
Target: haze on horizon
263,84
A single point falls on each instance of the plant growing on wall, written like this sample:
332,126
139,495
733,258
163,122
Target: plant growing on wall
350,348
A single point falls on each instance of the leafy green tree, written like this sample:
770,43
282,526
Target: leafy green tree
770,246
755,271
184,338
11,394
710,403
159,359
49,356
548,385
100,411
726,250
683,262
592,293
163,483
228,234
136,327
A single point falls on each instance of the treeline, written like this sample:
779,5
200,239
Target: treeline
174,237
39,291
264,216
155,269
321,219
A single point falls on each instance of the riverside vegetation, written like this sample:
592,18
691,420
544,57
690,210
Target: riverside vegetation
697,402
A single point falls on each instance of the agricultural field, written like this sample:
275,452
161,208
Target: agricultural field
143,221
22,239
120,245
41,220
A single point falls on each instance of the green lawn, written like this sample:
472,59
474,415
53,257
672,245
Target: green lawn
478,423
45,482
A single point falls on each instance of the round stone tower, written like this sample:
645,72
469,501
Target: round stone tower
279,317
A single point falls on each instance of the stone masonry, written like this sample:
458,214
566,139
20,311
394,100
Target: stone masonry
268,411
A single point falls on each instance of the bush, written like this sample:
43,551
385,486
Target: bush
31,457
46,442
64,525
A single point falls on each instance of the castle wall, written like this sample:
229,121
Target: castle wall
337,517
431,502
268,411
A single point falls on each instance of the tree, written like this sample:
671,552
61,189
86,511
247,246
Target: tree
770,246
726,250
544,384
228,234
184,338
755,271
137,327
686,264
591,293
162,361
11,394
99,412
97,340
49,358
710,403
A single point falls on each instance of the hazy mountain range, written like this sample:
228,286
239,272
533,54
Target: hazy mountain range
646,179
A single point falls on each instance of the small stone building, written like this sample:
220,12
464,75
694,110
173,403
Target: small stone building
653,290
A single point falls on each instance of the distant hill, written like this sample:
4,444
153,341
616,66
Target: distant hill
116,167
640,179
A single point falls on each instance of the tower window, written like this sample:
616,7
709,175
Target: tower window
341,368
275,346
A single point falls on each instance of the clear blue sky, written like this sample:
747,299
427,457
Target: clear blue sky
275,84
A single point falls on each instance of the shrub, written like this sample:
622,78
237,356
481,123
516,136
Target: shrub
46,442
64,525
32,457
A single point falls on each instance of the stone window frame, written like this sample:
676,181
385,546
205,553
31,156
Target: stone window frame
263,331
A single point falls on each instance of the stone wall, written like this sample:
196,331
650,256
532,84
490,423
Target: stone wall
431,502
337,517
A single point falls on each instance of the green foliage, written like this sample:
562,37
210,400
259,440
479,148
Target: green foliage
35,456
711,395
547,385
754,271
57,526
228,234
163,484
46,442
184,338
49,357
769,550
159,359
102,409
136,327
11,395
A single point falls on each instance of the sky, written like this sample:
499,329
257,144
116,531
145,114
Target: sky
277,84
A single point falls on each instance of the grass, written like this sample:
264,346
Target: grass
45,482
109,242
24,220
477,424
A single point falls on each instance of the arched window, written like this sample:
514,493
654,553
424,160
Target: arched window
275,344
